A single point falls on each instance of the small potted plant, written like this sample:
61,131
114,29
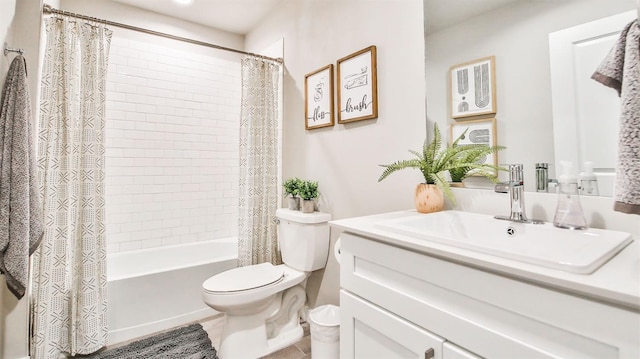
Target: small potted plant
308,191
434,162
291,188
475,156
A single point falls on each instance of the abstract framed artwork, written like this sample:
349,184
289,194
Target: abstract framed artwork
473,88
358,86
479,132
318,97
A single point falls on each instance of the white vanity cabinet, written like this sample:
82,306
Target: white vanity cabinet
373,332
400,303
376,333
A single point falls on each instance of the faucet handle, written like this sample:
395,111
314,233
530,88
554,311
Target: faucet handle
502,187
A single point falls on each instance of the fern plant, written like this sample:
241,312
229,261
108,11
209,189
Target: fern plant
474,157
434,162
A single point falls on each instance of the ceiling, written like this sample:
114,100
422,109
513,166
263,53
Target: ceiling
440,14
236,16
241,16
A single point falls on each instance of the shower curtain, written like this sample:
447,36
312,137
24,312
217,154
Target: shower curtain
69,305
259,162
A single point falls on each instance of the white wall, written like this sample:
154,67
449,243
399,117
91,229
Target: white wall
6,34
517,36
345,158
171,145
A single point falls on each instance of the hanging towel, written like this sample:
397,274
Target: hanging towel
621,70
21,226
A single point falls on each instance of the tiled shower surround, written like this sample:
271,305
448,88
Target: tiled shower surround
171,145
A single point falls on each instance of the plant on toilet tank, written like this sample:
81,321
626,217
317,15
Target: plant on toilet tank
308,191
302,194
291,188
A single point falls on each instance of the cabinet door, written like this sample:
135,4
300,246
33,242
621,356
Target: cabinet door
368,331
452,351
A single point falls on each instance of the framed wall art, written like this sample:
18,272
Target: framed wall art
318,98
358,86
473,88
479,132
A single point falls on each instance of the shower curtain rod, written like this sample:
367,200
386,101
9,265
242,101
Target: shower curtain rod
50,10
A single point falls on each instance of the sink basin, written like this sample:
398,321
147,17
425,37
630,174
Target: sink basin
579,251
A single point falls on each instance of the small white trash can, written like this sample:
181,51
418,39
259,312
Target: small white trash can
325,332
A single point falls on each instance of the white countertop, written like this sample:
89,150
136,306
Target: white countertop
616,282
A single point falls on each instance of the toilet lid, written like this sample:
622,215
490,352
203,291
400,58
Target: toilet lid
243,278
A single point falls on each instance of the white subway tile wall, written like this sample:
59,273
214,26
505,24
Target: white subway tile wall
171,146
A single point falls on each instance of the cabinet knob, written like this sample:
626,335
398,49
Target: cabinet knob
429,353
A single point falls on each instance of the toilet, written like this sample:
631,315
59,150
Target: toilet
263,303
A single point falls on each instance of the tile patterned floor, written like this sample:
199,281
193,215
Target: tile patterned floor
298,350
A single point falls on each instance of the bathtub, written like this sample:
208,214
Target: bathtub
155,289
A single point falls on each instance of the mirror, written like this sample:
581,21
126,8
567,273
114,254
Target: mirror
516,32
585,112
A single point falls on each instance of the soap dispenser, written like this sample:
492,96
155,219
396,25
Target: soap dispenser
588,181
568,211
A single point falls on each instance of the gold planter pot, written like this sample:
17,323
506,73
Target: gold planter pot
429,198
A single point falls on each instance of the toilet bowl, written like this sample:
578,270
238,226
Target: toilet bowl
247,290
263,303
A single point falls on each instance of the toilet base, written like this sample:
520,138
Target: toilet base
285,339
274,328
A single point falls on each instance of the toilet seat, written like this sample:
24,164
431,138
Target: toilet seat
244,278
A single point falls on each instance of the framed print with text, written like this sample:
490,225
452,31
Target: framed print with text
318,98
358,86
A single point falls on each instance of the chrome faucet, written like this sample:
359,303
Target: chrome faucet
515,188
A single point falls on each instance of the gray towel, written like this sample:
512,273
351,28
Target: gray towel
21,226
621,70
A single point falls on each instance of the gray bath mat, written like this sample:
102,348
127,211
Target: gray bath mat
190,342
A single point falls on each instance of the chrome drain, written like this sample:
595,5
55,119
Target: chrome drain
511,231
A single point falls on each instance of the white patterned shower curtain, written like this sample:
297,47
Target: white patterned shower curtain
69,308
259,162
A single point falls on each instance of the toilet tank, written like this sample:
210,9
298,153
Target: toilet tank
303,238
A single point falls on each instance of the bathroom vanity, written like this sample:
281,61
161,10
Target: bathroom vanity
408,297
